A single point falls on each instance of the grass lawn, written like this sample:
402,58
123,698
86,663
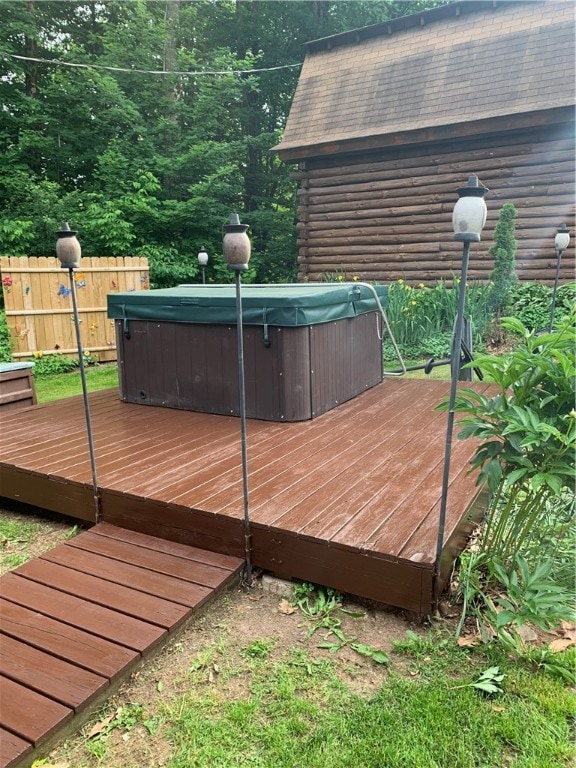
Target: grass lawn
298,712
441,372
59,385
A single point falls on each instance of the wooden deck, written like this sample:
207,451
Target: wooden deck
349,500
78,619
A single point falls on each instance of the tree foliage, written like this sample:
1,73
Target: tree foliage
503,251
152,164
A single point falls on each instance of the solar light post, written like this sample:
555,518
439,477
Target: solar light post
203,261
468,219
69,253
561,242
236,248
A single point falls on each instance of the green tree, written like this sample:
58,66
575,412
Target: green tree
139,149
503,277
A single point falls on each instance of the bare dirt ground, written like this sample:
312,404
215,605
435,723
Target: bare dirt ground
205,652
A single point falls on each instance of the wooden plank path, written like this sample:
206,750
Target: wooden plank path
76,621
350,499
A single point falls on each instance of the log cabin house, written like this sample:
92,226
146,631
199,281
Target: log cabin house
389,120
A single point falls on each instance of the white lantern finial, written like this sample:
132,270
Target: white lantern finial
562,239
469,214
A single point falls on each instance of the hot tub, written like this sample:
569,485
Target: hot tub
306,349
17,385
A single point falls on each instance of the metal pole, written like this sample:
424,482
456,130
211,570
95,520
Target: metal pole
242,400
85,395
553,308
450,427
203,275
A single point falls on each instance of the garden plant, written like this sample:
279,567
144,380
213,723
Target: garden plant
526,426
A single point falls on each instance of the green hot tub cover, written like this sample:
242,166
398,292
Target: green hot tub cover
280,305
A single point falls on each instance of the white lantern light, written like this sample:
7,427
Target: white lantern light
202,257
562,239
469,214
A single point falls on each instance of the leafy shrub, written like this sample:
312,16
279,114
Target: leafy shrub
46,365
528,429
422,317
169,268
531,303
5,340
528,433
503,251
437,346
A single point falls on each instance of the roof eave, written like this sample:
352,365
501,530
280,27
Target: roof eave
495,124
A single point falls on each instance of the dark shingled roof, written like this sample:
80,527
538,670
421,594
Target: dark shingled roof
456,64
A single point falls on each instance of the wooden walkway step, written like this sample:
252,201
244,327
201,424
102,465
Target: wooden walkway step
77,620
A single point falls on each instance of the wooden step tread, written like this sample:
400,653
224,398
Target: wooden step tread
79,618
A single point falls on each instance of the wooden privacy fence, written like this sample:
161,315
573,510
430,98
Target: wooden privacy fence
39,306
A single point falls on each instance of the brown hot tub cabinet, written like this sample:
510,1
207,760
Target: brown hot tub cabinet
17,385
306,349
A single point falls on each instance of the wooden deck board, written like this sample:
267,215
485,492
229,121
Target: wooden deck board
12,749
125,575
45,674
63,641
140,605
75,621
363,479
29,714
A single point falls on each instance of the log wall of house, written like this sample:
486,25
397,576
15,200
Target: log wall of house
386,213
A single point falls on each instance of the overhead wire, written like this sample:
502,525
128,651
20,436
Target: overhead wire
196,73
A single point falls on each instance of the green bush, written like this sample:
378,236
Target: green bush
46,365
531,303
422,317
527,431
5,340
503,251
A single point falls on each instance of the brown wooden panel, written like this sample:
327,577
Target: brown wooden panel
279,371
101,621
29,714
411,160
463,496
169,547
45,674
293,373
337,490
457,539
58,496
69,643
374,578
160,470
107,592
361,462
217,534
13,749
160,562
346,359
17,389
409,481
286,467
161,586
